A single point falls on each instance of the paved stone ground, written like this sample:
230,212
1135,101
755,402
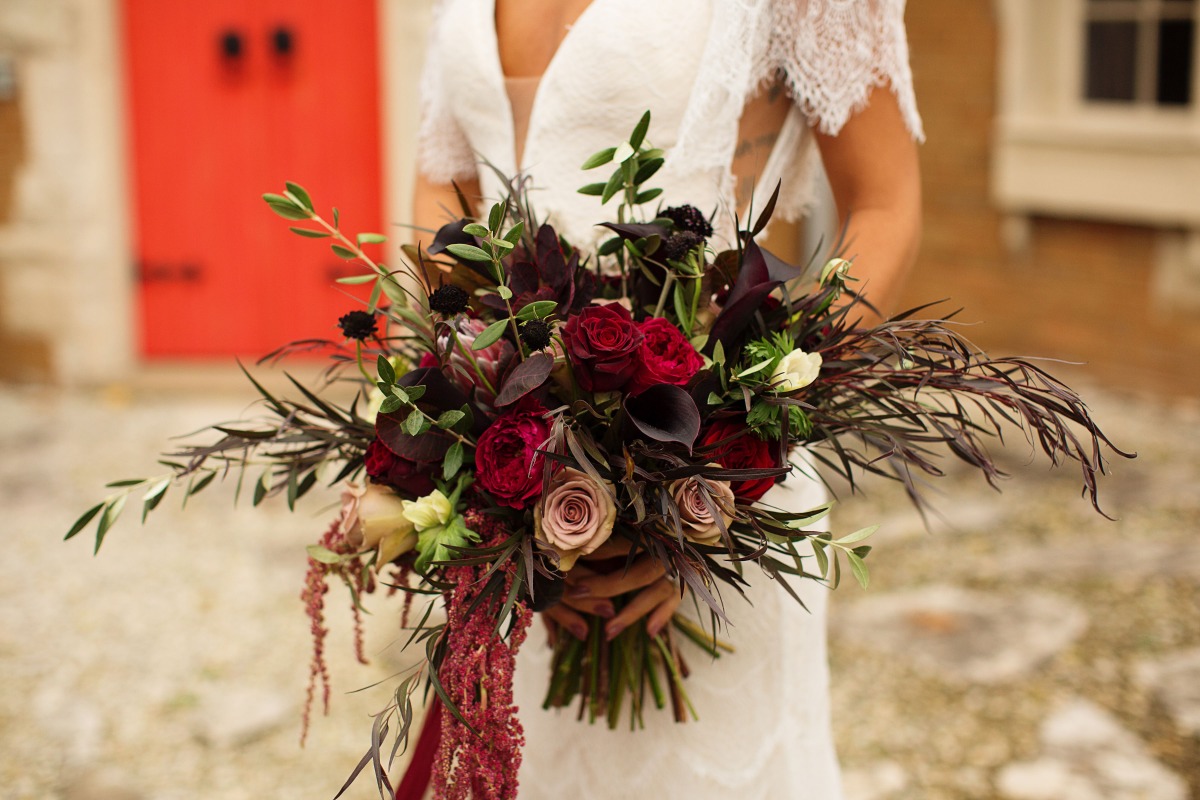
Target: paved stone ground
1023,648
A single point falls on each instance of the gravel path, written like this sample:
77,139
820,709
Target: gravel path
173,665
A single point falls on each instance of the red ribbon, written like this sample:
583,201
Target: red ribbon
416,778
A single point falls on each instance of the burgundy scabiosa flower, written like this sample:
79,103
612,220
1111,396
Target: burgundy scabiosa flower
358,325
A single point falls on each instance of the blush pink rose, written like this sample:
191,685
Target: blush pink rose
575,516
696,512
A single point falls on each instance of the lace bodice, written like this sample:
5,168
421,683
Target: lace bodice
693,63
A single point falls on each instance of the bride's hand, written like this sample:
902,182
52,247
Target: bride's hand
589,592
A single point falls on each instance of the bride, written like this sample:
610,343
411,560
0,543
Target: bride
743,93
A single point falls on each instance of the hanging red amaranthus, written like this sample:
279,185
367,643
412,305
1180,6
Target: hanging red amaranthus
477,674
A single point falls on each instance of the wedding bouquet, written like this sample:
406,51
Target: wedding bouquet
524,408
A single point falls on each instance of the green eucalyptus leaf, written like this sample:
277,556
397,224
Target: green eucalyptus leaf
611,246
646,196
448,419
858,535
468,251
495,217
323,555
475,229
111,512
612,187
822,559
504,292
387,373
647,170
514,233
599,159
297,192
261,487
639,132
490,335
859,568
592,189
370,238
309,233
538,309
390,403
83,520
415,393
342,252
357,280
453,461
415,423
289,211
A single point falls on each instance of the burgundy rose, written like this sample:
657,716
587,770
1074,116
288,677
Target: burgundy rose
506,457
666,356
384,466
744,450
602,343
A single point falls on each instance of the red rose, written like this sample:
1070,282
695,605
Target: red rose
602,344
384,466
506,457
666,356
746,451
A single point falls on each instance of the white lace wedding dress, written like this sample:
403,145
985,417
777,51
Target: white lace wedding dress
764,727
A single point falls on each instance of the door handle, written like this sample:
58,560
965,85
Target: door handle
232,45
283,41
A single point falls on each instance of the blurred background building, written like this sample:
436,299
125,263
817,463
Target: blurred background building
1019,648
1062,175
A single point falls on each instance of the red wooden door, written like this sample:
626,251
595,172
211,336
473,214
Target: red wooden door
228,99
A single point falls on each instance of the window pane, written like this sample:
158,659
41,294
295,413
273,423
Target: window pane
1175,37
1111,60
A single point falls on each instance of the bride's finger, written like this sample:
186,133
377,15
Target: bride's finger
597,606
616,546
644,571
569,620
661,615
642,604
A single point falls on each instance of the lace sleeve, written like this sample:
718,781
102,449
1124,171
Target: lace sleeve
443,150
834,52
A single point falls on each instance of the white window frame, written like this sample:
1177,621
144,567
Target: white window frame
1058,154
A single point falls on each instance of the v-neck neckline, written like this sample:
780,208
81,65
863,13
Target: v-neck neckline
542,79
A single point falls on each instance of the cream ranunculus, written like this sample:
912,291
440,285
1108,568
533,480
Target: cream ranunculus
431,510
382,523
796,370
696,512
574,516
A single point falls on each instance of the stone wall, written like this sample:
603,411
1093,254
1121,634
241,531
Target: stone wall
64,278
1073,289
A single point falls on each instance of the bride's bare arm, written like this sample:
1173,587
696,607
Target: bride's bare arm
874,172
435,204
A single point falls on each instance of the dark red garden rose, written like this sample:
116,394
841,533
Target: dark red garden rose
384,466
666,356
506,457
746,451
602,344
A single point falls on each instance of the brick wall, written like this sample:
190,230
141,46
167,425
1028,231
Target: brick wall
1082,291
